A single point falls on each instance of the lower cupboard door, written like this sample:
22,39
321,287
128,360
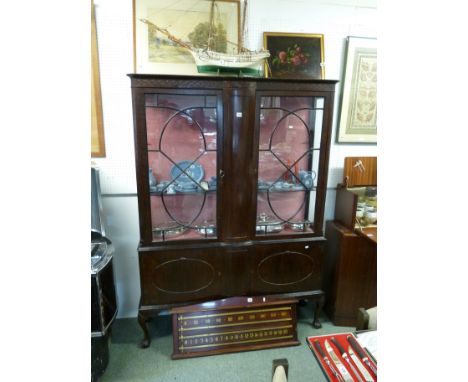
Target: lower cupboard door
178,276
290,267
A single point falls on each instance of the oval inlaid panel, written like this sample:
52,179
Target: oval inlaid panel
286,268
183,275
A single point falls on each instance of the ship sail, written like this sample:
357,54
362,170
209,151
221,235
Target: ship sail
209,60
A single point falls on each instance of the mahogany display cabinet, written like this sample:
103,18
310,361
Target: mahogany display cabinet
351,261
231,179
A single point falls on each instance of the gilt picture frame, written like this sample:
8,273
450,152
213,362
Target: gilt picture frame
98,149
155,53
358,112
294,55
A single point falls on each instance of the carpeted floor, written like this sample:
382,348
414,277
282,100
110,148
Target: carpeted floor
129,363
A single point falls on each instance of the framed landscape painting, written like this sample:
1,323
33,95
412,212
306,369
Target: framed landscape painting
294,55
98,148
358,118
186,21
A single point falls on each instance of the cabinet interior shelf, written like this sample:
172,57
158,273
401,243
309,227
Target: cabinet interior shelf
296,189
263,190
159,193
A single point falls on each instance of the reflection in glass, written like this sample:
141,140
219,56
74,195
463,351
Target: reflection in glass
289,150
182,144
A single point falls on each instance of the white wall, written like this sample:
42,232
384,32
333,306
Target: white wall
336,19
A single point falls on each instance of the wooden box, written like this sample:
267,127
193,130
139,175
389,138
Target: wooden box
232,325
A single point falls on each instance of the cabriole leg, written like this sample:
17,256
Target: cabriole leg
142,320
318,310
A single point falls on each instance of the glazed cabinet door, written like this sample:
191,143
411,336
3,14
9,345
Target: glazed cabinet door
291,140
179,141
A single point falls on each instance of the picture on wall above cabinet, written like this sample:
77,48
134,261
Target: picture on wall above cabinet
192,37
187,21
97,126
358,120
294,55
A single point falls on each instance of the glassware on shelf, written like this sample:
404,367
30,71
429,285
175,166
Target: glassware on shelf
186,187
152,180
170,190
299,226
161,186
360,215
267,224
283,186
191,171
263,185
167,230
307,178
207,229
212,183
371,201
370,215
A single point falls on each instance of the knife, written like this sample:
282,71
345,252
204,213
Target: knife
345,356
360,366
357,348
344,372
327,361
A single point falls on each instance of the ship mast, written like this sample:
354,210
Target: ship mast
167,34
210,33
242,42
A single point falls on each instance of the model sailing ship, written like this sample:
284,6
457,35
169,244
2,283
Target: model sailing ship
209,60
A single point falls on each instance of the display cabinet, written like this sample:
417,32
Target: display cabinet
231,178
351,261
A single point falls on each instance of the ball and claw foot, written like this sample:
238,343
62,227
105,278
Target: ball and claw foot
316,324
318,309
145,343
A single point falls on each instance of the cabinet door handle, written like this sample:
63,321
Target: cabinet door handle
221,173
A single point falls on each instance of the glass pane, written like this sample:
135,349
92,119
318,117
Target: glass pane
182,160
289,150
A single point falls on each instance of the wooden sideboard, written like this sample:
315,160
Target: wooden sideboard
351,263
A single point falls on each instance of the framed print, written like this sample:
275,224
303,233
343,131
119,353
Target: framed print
358,118
294,55
97,129
188,21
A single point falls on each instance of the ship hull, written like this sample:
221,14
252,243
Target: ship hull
229,70
209,62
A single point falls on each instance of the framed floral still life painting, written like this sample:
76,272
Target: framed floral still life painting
358,119
164,28
294,55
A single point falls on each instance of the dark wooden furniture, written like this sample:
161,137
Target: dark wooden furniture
103,297
236,208
351,261
232,325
